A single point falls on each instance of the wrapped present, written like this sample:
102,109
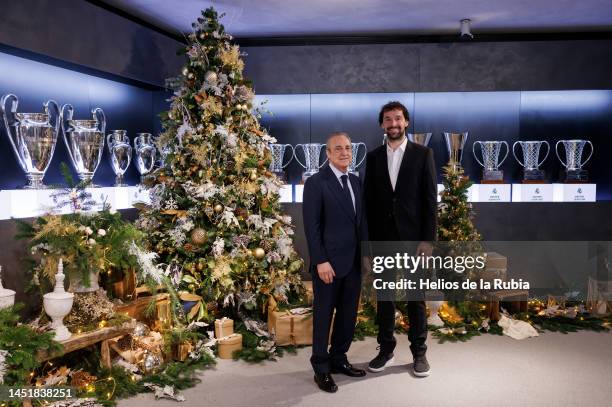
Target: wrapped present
182,351
224,327
292,327
228,345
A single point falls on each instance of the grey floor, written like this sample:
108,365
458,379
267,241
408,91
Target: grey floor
551,370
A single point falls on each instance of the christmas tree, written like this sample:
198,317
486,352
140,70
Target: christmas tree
455,213
215,219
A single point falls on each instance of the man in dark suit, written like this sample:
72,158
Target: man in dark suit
334,222
401,200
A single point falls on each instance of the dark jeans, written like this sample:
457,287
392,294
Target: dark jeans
343,296
417,333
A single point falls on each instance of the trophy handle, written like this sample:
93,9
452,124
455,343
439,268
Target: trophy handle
99,115
557,152
321,148
110,141
547,151
364,154
57,114
66,114
136,143
292,155
295,154
514,153
13,109
474,151
506,156
589,157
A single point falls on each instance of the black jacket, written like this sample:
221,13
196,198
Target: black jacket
333,230
411,209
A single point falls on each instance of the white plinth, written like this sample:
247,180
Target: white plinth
574,192
491,192
286,193
532,193
299,193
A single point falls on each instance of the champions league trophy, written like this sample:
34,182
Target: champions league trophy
312,158
120,154
531,156
355,163
490,160
33,137
277,166
454,144
145,154
419,138
84,140
573,159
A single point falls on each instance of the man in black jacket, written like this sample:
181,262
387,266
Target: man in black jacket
334,222
401,200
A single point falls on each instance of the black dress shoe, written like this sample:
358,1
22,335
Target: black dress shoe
348,370
326,382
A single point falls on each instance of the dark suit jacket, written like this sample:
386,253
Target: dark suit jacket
333,231
411,209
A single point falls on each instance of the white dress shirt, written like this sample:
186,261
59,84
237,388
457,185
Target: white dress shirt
338,174
394,160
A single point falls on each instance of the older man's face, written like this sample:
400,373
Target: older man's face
340,152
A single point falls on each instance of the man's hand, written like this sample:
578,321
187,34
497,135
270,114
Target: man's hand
326,272
424,248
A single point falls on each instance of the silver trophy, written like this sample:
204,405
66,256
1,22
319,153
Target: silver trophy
490,160
278,163
454,144
531,159
145,154
573,159
355,163
120,154
419,138
312,158
84,140
33,137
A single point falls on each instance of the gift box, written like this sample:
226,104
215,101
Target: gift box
290,328
228,345
309,292
182,351
224,327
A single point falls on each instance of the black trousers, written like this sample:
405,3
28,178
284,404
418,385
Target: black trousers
343,296
417,316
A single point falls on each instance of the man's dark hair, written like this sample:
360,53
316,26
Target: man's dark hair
394,105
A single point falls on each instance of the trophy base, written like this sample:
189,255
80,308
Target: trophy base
307,175
575,177
534,177
355,173
492,177
35,182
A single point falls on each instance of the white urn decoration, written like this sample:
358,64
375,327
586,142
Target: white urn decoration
58,304
7,297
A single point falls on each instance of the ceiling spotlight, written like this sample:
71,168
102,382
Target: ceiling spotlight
466,33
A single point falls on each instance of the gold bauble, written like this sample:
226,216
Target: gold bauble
218,208
253,176
198,236
259,253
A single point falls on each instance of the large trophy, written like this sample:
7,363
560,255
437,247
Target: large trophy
573,160
454,144
120,154
490,150
355,163
531,160
278,163
33,137
312,158
145,154
419,138
84,140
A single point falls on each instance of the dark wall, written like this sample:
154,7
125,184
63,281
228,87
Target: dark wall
435,67
78,32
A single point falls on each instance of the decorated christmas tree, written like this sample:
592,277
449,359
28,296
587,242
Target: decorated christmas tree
215,219
455,213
